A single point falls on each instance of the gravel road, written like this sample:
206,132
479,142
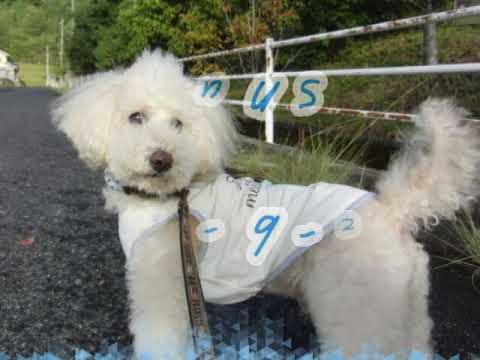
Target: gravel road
62,267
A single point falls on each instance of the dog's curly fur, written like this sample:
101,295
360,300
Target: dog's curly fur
371,289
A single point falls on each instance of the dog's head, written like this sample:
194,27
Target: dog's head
144,125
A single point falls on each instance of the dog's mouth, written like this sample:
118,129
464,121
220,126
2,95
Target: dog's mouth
151,174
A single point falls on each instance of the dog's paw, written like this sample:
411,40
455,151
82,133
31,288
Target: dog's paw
175,347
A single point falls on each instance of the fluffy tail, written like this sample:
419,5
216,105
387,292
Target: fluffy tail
436,174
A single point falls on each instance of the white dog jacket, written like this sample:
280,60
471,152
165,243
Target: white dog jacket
250,231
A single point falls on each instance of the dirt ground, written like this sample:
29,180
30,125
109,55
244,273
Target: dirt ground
62,267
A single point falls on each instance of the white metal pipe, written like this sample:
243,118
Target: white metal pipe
231,77
224,52
387,70
393,70
269,68
344,112
368,114
360,30
384,26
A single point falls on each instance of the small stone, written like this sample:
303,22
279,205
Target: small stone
78,282
27,241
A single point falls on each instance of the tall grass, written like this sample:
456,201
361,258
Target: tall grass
464,240
468,232
312,160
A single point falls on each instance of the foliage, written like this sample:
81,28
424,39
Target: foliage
463,243
89,22
195,27
469,233
111,33
302,165
27,27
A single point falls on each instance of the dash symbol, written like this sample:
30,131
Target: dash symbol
210,230
307,234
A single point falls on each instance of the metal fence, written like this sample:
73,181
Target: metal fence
271,44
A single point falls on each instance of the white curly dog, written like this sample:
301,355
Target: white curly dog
143,125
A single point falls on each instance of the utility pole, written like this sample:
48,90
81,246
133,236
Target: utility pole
253,37
47,65
60,51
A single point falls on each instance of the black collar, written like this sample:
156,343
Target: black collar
130,190
115,185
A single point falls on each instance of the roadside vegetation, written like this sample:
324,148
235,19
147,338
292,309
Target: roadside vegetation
299,165
466,228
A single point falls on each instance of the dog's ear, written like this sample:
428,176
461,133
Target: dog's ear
84,114
225,139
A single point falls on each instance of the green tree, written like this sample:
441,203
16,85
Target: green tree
193,26
113,38
90,22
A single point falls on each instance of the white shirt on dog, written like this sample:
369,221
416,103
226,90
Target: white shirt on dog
251,231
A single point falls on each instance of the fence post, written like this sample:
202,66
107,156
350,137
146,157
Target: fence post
269,68
47,66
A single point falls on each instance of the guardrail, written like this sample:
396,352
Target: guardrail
271,44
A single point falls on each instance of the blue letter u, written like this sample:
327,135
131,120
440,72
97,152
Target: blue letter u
263,104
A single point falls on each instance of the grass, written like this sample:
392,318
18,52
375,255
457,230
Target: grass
464,240
469,232
299,165
32,74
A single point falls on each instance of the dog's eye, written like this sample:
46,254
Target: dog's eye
136,118
177,124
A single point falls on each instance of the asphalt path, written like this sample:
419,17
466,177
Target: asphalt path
62,267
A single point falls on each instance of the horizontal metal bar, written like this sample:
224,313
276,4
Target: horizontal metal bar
392,70
344,112
231,77
380,27
387,70
224,52
235,102
368,114
360,30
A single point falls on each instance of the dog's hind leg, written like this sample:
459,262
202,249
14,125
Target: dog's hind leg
368,294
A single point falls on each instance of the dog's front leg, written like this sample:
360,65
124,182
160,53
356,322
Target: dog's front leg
159,312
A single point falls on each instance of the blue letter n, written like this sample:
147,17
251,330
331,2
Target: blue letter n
207,85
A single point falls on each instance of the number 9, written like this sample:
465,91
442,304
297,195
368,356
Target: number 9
264,229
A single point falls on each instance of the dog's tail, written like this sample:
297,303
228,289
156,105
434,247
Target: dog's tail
436,174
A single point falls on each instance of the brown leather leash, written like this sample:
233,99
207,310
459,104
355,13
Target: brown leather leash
202,340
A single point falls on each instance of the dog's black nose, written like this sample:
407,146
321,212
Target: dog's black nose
161,161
